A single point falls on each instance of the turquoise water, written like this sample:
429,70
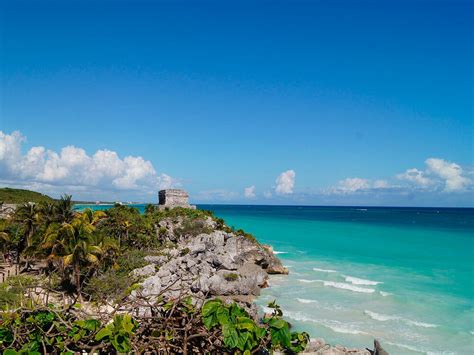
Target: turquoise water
403,276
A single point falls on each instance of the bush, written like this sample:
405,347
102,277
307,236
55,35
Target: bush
231,277
110,285
131,260
241,332
193,228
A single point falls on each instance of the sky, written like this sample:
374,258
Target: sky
249,102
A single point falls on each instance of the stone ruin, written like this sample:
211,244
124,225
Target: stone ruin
171,198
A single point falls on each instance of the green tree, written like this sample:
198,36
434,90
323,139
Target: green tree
27,216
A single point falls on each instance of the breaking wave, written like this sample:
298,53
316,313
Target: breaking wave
335,326
357,281
303,300
323,270
385,317
345,286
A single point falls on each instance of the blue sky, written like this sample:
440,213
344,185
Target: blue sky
301,102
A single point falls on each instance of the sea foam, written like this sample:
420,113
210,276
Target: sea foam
357,281
385,317
309,281
335,326
345,286
323,270
303,300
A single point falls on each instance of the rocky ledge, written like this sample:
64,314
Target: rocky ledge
207,265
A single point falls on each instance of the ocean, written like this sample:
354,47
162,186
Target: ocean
401,275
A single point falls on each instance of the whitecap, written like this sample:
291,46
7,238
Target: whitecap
385,294
357,281
379,316
385,317
403,346
304,300
308,281
340,329
335,326
279,252
349,287
420,324
323,270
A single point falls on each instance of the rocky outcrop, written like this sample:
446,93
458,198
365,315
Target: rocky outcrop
210,264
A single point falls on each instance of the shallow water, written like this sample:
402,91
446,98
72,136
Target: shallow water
401,275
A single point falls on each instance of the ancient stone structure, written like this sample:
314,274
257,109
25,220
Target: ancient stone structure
171,198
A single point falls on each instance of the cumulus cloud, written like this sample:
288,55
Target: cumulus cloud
439,174
351,185
416,176
451,173
285,182
72,166
249,192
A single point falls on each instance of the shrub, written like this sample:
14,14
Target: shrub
231,277
110,285
193,228
241,332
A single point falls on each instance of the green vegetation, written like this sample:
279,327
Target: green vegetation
8,195
231,277
176,327
87,257
241,333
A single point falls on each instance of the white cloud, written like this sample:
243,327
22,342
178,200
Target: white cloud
438,175
72,166
351,185
451,173
285,182
267,194
416,176
249,192
381,184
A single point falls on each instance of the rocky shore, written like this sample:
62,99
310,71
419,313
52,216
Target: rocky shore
217,264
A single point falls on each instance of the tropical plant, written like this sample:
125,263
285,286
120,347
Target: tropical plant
241,333
27,216
65,209
74,248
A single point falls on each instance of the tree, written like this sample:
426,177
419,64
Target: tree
75,249
27,216
65,209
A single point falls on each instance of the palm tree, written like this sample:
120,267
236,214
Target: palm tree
5,241
64,209
47,213
27,216
74,247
